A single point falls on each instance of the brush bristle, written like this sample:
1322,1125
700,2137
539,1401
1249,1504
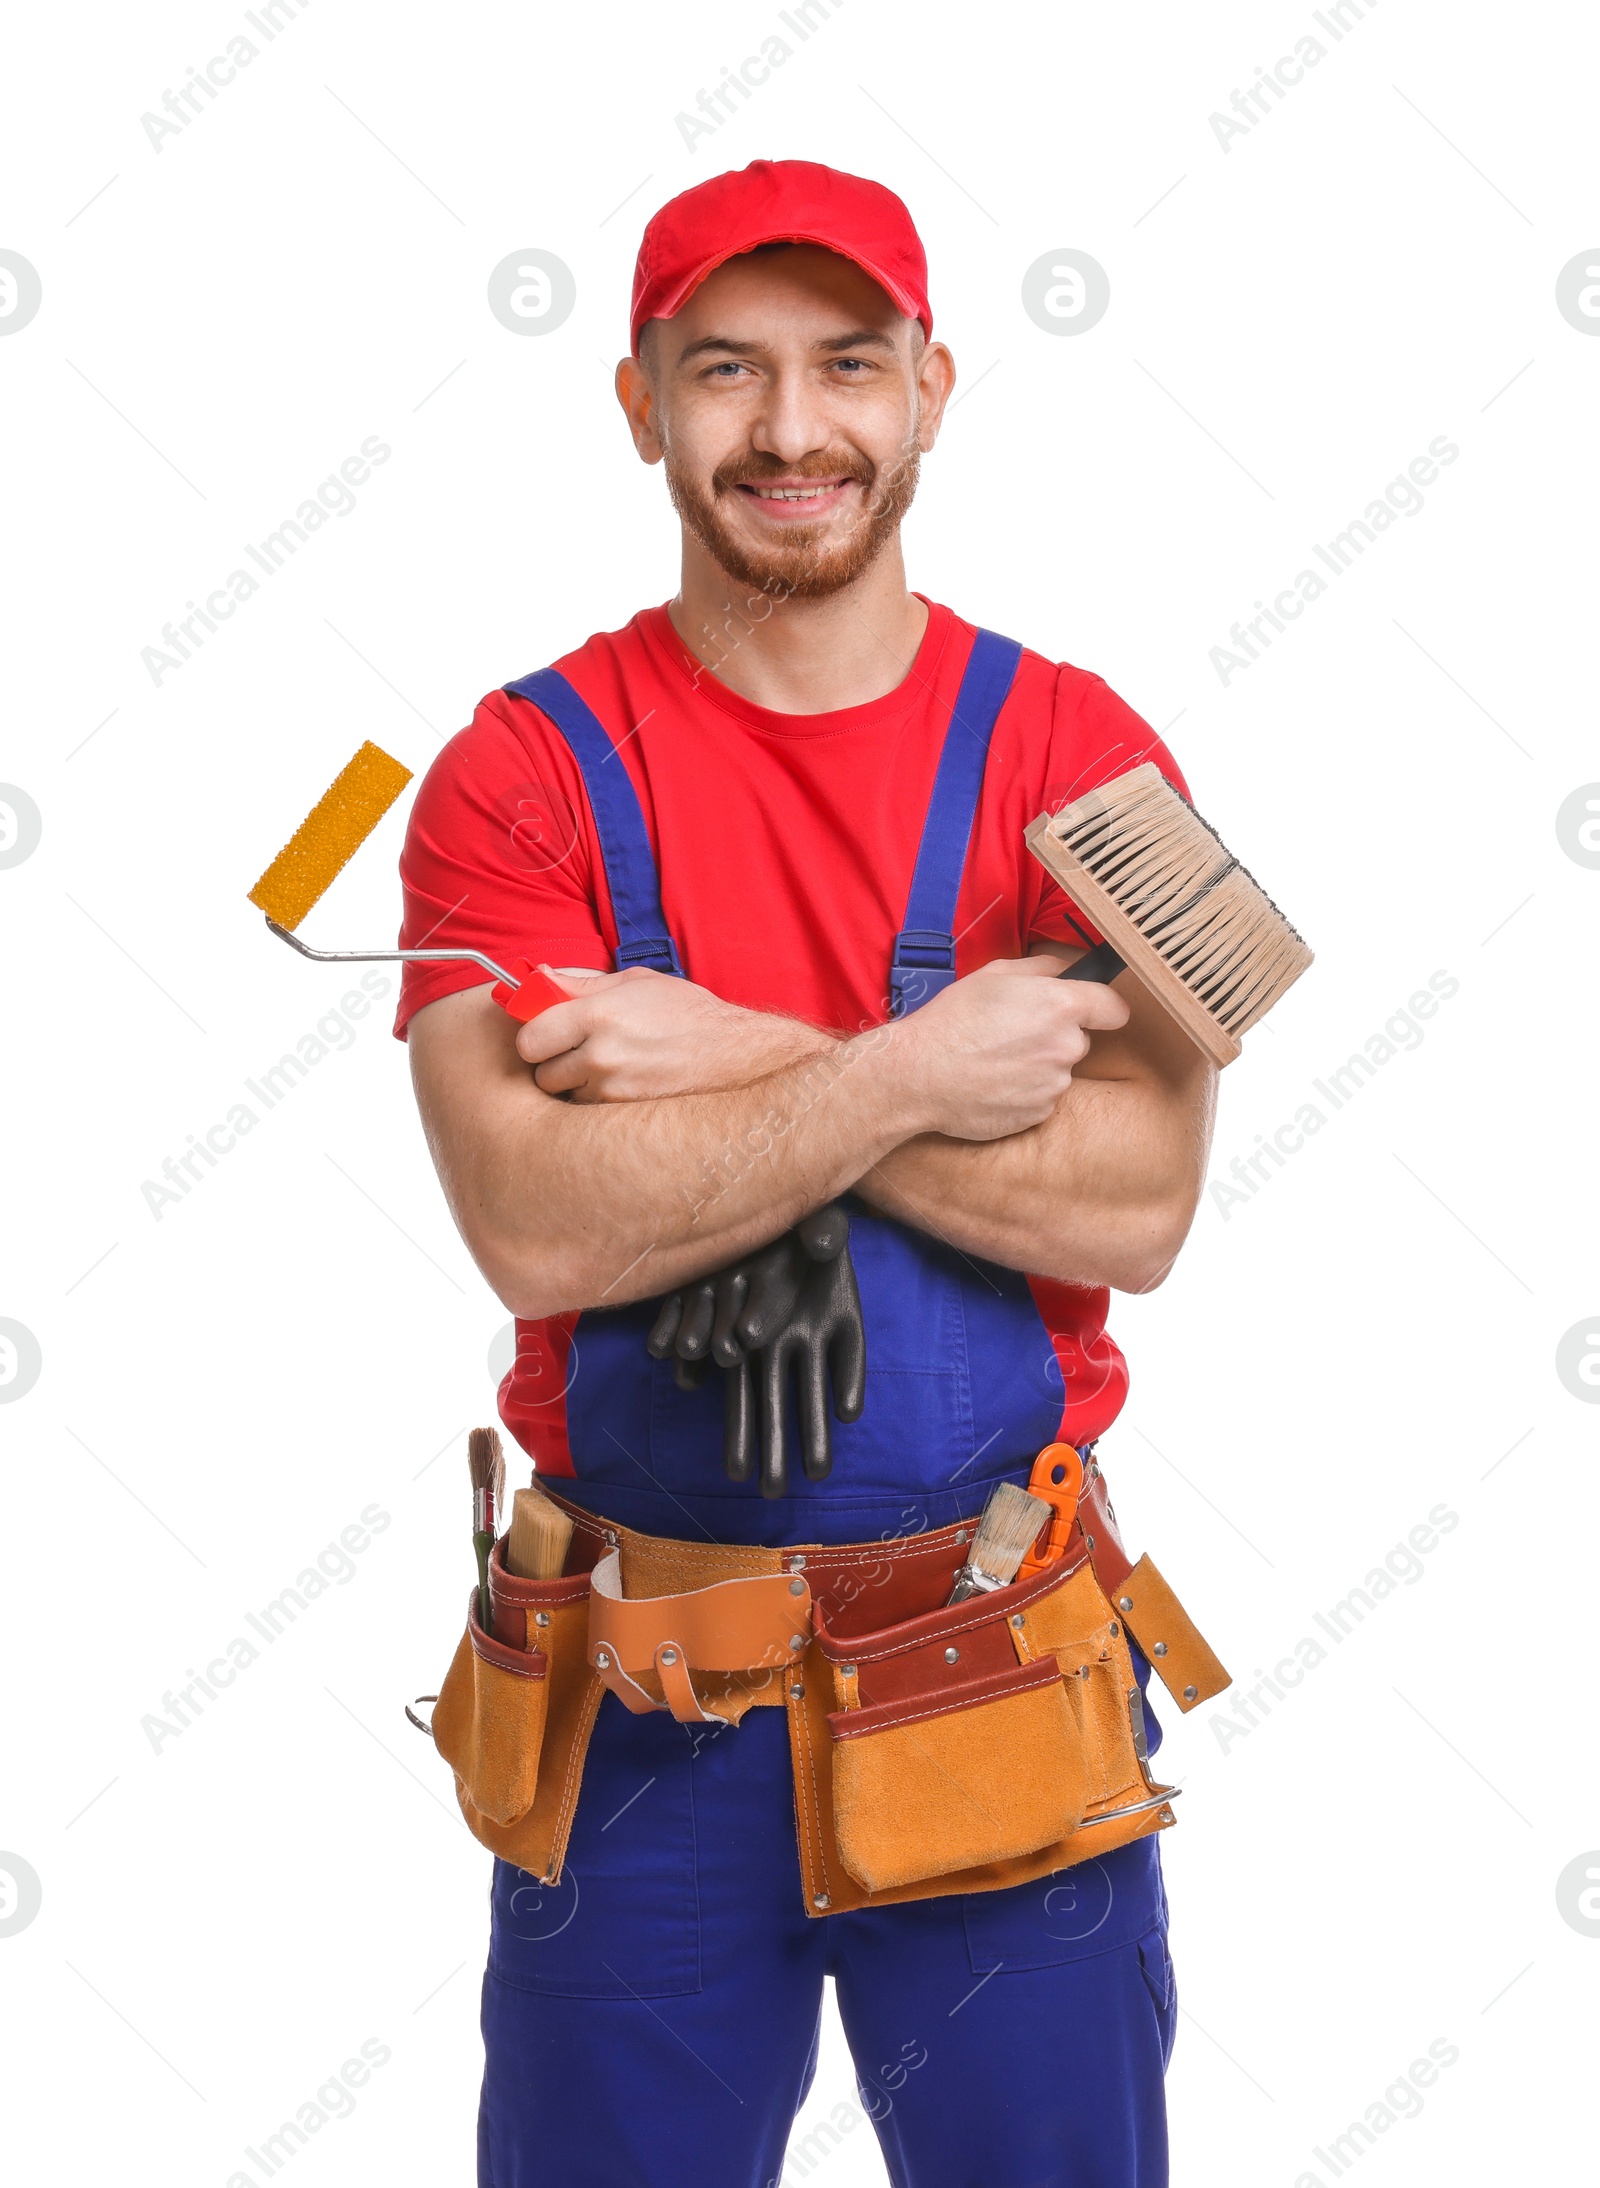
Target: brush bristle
1011,1521
330,835
1173,901
486,1461
536,1546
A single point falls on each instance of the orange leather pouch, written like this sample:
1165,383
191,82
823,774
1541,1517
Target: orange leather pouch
515,1712
987,1732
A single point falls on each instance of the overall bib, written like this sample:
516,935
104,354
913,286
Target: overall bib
653,2018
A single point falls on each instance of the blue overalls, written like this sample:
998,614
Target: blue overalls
652,2021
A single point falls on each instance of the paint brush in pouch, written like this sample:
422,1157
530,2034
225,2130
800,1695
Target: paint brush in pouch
536,1544
1010,1523
486,1463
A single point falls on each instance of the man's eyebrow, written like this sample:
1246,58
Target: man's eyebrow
862,338
734,345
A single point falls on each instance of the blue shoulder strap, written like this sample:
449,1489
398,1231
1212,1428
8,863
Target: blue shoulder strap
925,948
642,937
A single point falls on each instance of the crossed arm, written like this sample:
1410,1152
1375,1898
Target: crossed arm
697,1130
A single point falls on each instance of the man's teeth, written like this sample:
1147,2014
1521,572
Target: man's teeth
795,493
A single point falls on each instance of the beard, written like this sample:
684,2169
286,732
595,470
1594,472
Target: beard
804,563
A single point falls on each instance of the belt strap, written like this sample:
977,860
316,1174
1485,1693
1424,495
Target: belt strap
759,1622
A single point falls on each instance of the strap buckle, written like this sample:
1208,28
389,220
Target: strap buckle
923,964
658,952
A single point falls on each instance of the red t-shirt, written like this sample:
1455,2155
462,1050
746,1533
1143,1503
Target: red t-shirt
785,845
789,838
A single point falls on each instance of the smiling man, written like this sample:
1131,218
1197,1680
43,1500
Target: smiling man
770,836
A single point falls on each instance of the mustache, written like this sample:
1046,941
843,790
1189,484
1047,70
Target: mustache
755,469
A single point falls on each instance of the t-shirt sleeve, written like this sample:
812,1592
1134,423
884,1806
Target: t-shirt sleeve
497,857
1095,737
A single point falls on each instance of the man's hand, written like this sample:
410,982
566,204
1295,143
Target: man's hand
637,1035
993,1054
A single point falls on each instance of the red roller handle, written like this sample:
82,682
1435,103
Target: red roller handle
535,991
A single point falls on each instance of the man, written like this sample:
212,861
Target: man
804,787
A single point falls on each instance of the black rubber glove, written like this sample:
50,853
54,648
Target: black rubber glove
823,1340
793,1299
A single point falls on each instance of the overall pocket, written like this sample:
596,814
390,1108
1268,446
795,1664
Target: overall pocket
488,1722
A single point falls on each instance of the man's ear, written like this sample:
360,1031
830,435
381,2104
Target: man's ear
936,377
637,396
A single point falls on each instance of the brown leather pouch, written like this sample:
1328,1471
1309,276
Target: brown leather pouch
488,1722
933,1783
973,1745
515,1712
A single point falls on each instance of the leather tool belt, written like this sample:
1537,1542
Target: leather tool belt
937,1748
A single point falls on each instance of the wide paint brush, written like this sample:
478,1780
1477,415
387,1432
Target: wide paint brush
1011,1520
536,1545
1174,904
323,845
487,1465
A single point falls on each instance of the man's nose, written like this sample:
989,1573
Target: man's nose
793,420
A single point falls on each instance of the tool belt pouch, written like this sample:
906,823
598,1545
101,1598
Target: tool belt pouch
514,1714
703,1653
982,1733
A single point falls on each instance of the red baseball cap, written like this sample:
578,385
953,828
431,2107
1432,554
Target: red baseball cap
779,201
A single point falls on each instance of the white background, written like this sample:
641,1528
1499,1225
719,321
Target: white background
1374,1333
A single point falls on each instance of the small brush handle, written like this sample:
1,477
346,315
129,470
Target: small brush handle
1100,966
483,1544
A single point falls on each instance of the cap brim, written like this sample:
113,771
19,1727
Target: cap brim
675,298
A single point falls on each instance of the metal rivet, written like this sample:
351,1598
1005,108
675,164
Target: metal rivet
612,1538
1160,1649
1191,1694
796,1564
797,1587
797,1693
961,1534
541,1618
952,1656
1124,1602
797,1640
821,1899
602,1661
1089,1539
1018,1618
669,1656
1114,1627
1083,1671
847,1671
1166,1815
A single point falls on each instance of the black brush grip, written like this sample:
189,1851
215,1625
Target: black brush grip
1100,966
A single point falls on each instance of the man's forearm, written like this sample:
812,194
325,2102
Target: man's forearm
1103,1192
633,1190
579,1204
